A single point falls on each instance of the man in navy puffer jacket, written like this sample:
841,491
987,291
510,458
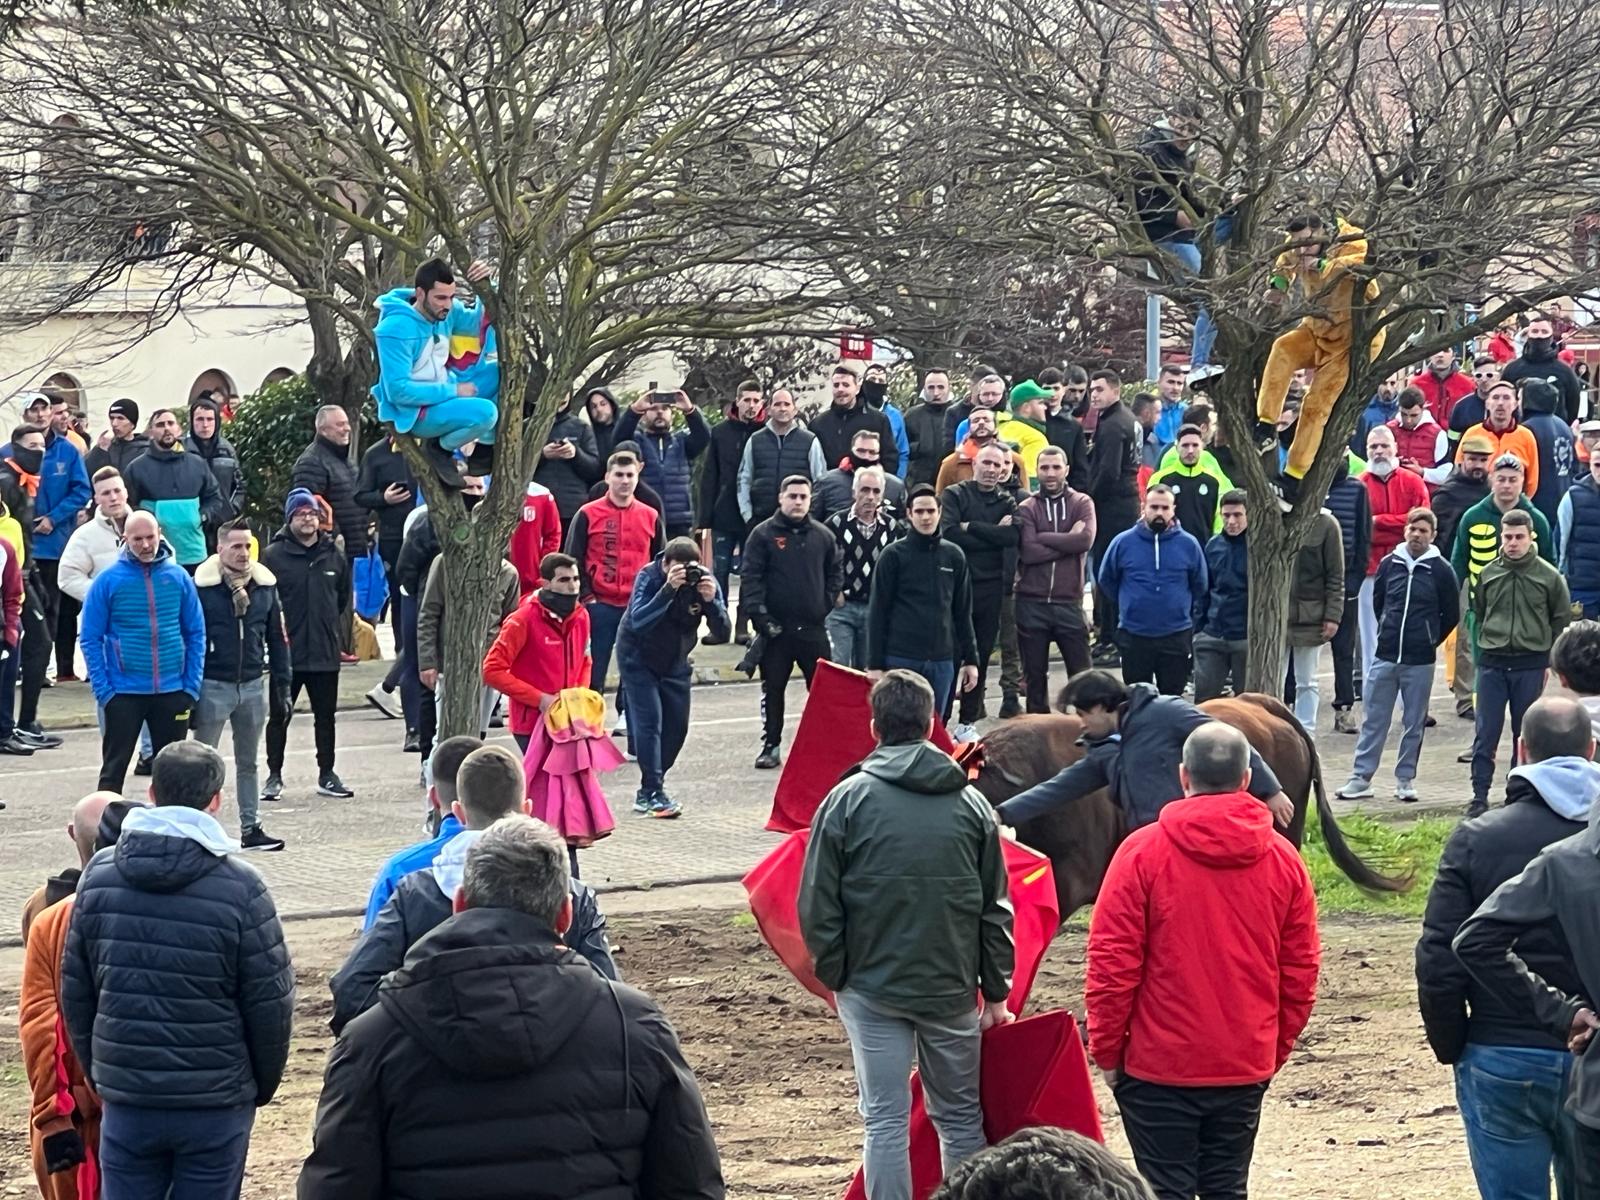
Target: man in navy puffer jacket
668,456
1221,641
176,989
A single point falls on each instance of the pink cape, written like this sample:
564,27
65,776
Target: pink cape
564,781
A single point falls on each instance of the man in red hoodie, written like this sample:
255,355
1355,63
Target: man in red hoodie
1202,971
1392,493
1442,383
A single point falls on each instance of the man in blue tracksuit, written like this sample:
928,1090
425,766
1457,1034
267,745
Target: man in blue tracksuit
418,392
1154,576
144,642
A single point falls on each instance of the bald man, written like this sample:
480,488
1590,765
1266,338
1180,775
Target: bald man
143,636
81,829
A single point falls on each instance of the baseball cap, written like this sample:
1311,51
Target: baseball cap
1479,443
1590,426
1028,390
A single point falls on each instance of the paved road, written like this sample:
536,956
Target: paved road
336,845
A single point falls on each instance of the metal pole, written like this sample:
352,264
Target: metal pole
1152,334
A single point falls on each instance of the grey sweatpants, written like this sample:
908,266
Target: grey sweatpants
1385,682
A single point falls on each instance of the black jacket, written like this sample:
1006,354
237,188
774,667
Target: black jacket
313,583
991,548
1546,365
176,985
1066,433
1481,855
1165,176
20,506
223,460
1450,499
417,908
497,1065
1115,460
791,574
117,454
417,552
243,649
1415,603
834,428
921,603
569,478
381,466
324,470
930,439
1352,507
719,477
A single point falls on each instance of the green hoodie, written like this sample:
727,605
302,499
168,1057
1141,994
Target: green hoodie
1520,605
904,898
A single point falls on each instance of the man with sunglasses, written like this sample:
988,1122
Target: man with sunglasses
1471,410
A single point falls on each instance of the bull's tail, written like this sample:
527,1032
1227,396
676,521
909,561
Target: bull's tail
1360,872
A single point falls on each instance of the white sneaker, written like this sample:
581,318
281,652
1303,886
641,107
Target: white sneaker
1355,788
1405,791
385,703
963,733
620,729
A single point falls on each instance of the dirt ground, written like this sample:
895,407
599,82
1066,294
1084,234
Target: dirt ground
1361,1111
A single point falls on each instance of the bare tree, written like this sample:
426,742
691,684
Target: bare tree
634,172
1459,137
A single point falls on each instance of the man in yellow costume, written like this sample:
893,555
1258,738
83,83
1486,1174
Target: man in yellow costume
1320,267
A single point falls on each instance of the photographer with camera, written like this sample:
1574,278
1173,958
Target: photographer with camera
789,582
670,598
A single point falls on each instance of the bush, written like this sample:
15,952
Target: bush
270,429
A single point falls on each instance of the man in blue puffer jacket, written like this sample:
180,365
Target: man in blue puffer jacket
144,641
668,456
1154,577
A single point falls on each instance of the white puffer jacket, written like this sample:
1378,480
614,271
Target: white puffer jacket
92,548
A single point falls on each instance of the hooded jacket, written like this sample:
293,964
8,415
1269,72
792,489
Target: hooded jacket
243,649
13,592
1157,582
1391,500
569,479
1207,913
92,548
418,857
142,630
920,607
1519,606
170,901
1139,763
1227,612
669,462
1558,455
1416,602
1451,499
1477,540
63,491
432,610
420,902
498,1065
313,583
324,469
605,433
118,453
1545,803
1050,554
1162,184
904,898
1542,362
1559,890
179,488
413,353
217,452
1317,588
719,477
535,654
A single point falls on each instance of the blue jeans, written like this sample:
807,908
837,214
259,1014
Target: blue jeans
243,706
1512,1101
1188,253
940,674
1499,688
847,631
883,1043
658,717
604,621
723,548
459,421
173,1153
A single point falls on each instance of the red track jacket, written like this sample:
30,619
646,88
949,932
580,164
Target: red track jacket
536,653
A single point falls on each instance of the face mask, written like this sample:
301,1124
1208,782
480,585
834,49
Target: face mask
29,460
560,603
1536,347
873,392
1158,524
1382,469
857,462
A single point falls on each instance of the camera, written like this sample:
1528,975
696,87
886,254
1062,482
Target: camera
693,573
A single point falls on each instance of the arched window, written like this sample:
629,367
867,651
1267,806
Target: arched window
278,375
213,381
66,385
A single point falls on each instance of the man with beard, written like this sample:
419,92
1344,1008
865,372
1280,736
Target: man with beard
1061,428
569,464
835,491
1467,484
1154,575
205,441
126,443
875,395
928,434
668,456
1380,410
1113,486
1539,361
1392,494
719,488
1055,530
846,416
1442,385
987,390
980,516
981,432
179,488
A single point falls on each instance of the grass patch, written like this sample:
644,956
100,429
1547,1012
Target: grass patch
1388,845
742,920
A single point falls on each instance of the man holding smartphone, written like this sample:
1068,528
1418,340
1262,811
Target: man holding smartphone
668,456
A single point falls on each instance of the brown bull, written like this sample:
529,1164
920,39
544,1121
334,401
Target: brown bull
1080,838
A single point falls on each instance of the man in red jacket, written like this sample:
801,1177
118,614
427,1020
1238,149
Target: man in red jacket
1442,383
542,648
537,534
1202,971
1392,493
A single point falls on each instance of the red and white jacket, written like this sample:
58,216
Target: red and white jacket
537,653
538,533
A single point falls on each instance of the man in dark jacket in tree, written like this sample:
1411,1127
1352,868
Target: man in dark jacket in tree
719,489
668,456
569,464
205,441
495,1063
176,990
313,582
324,469
1510,1072
907,833
488,785
246,642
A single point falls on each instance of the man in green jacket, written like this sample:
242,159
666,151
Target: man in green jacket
905,908
1520,603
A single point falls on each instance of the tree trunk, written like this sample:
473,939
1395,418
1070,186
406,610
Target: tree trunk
1271,564
472,599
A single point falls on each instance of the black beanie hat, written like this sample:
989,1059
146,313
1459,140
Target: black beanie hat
124,408
111,819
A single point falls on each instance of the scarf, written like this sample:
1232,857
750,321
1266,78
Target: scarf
239,585
30,483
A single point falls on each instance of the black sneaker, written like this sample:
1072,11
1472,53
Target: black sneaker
12,746
1010,707
413,742
443,463
142,767
481,460
1477,808
711,640
768,758
38,740
274,787
331,785
257,838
